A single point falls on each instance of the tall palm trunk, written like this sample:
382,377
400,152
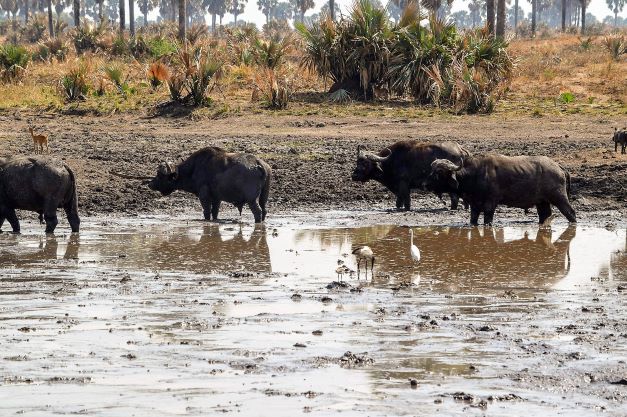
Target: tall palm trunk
583,17
500,18
490,16
100,11
145,13
50,25
332,9
213,23
26,11
122,16
515,16
131,16
182,20
534,4
77,13
563,15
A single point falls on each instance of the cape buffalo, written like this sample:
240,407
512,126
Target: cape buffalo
41,184
404,166
489,180
214,175
620,137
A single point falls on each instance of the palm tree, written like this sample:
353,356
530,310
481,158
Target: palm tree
182,20
490,16
500,18
122,16
131,16
26,11
583,16
77,13
50,25
563,15
533,17
332,9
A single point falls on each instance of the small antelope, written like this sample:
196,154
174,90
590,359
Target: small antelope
39,141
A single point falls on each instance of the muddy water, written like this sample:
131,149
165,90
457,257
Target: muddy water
149,318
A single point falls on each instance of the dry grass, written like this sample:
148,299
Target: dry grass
546,68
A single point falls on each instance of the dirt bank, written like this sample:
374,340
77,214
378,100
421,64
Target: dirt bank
313,156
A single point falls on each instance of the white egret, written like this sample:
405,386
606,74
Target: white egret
413,249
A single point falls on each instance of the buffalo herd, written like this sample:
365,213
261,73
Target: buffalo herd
43,184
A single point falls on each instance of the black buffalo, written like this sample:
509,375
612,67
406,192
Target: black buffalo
620,137
214,175
489,180
40,184
404,166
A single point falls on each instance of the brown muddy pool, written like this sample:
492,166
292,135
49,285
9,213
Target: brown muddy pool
155,317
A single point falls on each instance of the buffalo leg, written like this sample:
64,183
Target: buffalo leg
544,211
454,201
254,207
488,216
566,209
72,218
215,209
1,221
622,151
399,202
41,217
404,195
13,221
474,215
205,202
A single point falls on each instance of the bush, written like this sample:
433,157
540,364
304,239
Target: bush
615,45
434,64
14,60
157,74
52,48
35,29
160,47
87,38
120,46
73,84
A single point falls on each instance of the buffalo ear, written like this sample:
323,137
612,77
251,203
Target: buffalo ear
452,181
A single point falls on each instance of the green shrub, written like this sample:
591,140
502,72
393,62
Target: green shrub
160,47
566,97
120,46
86,38
433,64
52,48
73,84
35,29
14,60
616,45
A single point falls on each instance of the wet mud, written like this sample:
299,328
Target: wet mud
158,316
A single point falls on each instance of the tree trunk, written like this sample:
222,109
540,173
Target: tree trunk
100,11
332,9
534,4
563,15
122,16
515,16
500,18
213,23
182,20
221,16
583,17
173,3
26,11
131,16
490,16
77,13
615,17
145,13
50,24
235,18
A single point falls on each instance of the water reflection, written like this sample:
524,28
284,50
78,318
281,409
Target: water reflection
453,258
45,249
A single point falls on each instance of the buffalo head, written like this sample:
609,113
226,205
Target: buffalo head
443,176
368,165
165,180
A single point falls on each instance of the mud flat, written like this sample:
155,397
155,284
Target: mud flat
160,316
313,157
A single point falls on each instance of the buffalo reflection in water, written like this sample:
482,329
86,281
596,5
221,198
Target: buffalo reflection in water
218,249
465,257
47,251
